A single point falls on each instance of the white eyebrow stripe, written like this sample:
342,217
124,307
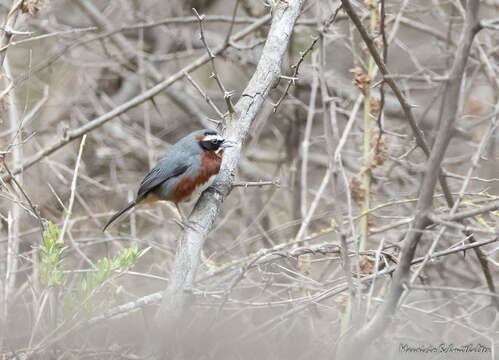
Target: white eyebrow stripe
213,137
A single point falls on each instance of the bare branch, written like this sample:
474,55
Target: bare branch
204,95
69,209
227,95
8,29
472,212
294,77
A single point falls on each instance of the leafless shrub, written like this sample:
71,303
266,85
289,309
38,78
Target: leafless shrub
356,220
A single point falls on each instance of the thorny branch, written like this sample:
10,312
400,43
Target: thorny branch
294,76
366,335
8,29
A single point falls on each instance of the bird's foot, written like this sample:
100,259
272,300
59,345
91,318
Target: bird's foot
184,224
182,220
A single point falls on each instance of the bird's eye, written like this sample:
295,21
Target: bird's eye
215,142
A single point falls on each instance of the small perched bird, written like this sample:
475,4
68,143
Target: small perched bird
187,169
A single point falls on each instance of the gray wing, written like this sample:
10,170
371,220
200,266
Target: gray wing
159,174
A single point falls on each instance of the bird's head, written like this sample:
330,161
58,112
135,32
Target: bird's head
212,141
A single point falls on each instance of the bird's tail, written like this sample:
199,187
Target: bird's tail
119,213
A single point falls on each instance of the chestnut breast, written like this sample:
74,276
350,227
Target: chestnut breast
194,182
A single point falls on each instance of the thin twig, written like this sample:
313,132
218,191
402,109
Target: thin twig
473,212
204,95
382,86
34,209
234,13
296,68
69,209
226,94
275,182
367,146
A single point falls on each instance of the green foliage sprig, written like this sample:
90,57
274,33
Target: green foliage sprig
100,280
51,257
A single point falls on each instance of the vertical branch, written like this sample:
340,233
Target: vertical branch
73,191
382,85
143,86
347,269
292,139
8,29
15,214
338,167
366,175
231,26
305,150
6,282
306,216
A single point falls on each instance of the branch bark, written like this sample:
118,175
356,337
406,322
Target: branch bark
356,344
176,298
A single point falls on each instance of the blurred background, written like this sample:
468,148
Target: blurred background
273,283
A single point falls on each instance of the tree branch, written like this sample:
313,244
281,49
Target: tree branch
176,297
8,29
494,205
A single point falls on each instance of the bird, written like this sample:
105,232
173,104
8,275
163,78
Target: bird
185,171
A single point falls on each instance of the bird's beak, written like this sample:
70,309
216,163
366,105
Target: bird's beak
228,143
